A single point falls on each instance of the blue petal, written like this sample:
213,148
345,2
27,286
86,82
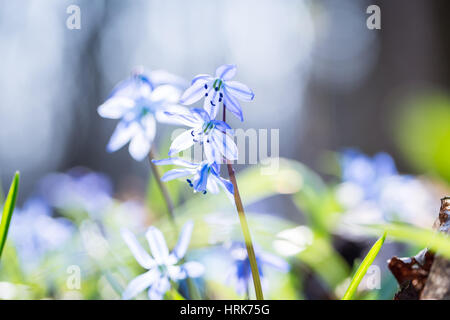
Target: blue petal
194,93
273,261
183,242
186,118
239,90
223,126
201,114
140,283
157,245
177,173
226,71
232,105
200,184
182,142
212,154
175,161
225,144
204,77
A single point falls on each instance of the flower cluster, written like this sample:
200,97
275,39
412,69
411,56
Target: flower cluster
373,192
214,135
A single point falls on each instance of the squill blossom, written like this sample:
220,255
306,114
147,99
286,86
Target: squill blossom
163,267
218,89
138,103
205,175
212,134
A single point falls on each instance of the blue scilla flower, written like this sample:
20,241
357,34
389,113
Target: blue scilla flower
240,273
36,232
366,172
138,103
212,134
205,175
163,267
218,89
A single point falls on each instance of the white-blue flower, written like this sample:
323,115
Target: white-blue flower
163,267
136,102
218,89
206,176
212,134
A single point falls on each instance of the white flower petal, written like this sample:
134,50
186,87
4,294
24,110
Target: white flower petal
140,283
183,242
158,289
239,90
157,245
115,107
193,269
141,256
122,135
177,173
182,142
195,92
226,71
225,144
139,146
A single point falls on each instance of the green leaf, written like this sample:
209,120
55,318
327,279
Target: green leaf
8,211
423,238
363,268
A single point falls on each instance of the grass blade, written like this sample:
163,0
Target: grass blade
8,211
363,268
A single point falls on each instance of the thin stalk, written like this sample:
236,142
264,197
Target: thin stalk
162,187
245,229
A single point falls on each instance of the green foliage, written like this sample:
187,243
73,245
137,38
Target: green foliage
371,255
422,238
422,133
8,210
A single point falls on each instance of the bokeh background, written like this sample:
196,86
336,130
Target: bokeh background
320,76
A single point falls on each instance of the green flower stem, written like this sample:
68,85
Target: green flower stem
245,229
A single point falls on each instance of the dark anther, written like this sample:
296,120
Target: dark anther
192,133
206,94
216,88
204,192
221,95
220,99
206,86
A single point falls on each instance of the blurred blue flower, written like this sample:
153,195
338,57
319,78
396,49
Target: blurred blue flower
206,176
78,189
162,266
212,134
35,232
138,103
372,192
240,274
366,172
218,89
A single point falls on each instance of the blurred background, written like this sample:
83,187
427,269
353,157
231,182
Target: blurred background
320,76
